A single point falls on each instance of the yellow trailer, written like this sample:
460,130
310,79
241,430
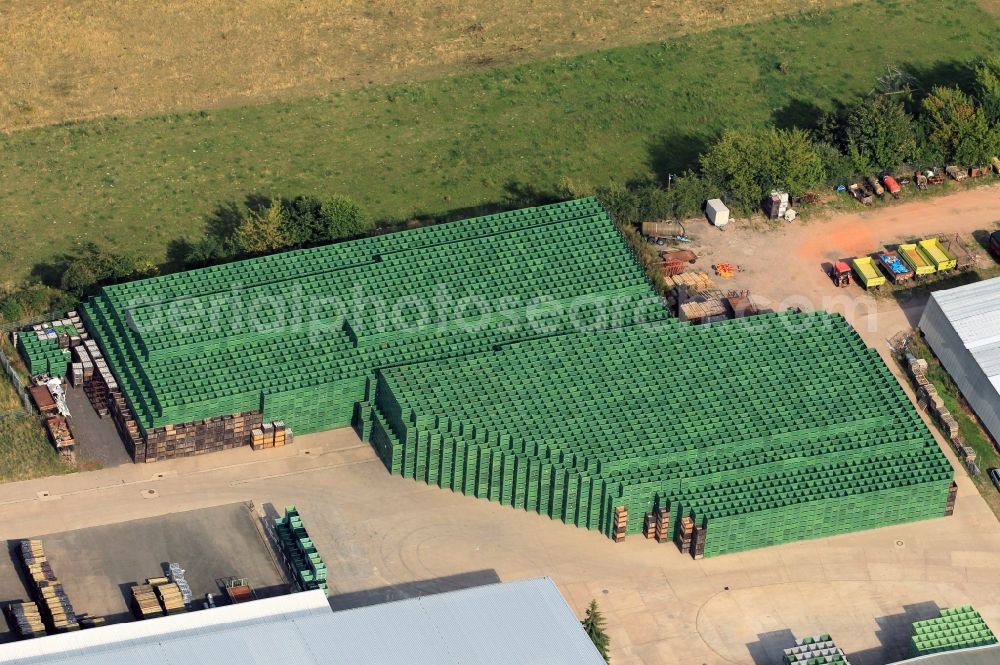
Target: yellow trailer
916,260
936,254
868,272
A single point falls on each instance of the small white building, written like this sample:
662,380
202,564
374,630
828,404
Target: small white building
717,212
962,326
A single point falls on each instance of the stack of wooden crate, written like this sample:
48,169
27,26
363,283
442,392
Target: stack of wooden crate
270,435
25,619
698,542
685,533
621,523
662,525
949,508
200,436
146,603
649,525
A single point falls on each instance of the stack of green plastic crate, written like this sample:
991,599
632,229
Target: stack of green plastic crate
299,333
779,428
819,650
43,356
956,628
300,555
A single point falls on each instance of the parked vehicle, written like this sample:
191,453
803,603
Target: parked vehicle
917,262
995,477
891,185
841,274
995,244
894,266
874,185
866,270
861,194
936,254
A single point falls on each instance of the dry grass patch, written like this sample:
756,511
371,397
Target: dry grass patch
65,60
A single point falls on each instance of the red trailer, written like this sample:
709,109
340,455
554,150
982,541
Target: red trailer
891,185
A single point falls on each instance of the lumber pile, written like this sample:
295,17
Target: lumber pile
170,597
145,602
703,310
25,619
696,281
53,603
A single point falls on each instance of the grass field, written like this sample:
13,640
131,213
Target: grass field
74,59
25,451
458,143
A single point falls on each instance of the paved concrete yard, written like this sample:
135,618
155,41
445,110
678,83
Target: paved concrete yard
387,537
98,565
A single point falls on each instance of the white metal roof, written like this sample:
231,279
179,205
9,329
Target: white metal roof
525,622
974,313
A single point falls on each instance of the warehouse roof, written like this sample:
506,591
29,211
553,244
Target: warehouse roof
974,312
525,622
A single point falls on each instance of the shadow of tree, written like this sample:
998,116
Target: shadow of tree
672,153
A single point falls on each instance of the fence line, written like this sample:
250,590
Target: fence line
16,381
41,318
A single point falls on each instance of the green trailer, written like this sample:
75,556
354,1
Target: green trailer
868,273
916,260
937,255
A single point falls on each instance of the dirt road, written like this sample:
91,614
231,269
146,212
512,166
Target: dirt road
788,267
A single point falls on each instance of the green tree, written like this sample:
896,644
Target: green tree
988,88
621,202
880,135
261,231
748,164
304,221
593,625
957,129
341,218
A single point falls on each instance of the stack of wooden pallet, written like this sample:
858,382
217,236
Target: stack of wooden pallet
696,281
663,525
621,523
684,535
949,508
53,602
25,619
145,601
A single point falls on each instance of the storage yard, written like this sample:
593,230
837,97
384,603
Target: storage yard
756,451
99,567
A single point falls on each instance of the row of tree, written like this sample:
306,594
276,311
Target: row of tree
880,133
266,225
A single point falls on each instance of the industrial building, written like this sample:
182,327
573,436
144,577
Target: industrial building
514,622
962,326
569,390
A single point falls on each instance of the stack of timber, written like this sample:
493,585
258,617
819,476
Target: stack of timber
696,281
171,598
271,435
146,604
25,619
54,605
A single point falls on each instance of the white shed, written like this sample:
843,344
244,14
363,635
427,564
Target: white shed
717,212
962,326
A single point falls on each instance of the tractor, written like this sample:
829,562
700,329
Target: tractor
841,274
